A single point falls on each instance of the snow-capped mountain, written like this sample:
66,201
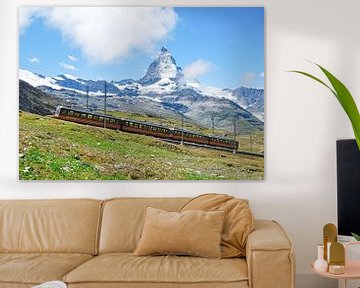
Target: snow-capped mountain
67,82
163,69
252,99
163,89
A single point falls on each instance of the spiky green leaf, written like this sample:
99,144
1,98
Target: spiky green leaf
314,78
356,236
344,97
347,102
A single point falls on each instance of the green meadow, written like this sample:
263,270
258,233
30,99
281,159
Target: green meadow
51,149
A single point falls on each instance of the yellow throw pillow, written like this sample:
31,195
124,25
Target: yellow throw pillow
239,220
193,232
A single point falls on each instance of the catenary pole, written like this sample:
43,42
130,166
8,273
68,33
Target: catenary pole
234,136
87,97
105,105
182,129
213,125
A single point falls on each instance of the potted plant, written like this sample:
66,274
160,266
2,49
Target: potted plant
344,97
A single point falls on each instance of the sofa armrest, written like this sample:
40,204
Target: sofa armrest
269,256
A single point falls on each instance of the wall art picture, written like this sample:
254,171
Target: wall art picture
141,93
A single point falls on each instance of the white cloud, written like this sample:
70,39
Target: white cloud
197,68
72,58
67,66
106,34
261,74
34,60
248,79
27,15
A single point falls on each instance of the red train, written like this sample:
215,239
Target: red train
138,127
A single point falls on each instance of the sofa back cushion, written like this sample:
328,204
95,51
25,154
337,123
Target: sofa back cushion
123,220
66,226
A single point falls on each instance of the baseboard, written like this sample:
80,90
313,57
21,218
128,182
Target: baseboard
310,280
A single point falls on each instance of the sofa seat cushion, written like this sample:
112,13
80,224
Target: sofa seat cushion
242,284
36,268
127,268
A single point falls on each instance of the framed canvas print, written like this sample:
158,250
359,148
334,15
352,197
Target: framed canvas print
141,93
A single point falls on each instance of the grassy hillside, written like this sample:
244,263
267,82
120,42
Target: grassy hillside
59,150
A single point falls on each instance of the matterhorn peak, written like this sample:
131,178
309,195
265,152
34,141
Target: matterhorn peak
162,68
164,50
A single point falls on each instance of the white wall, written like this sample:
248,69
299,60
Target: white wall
303,120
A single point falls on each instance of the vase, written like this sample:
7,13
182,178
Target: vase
320,264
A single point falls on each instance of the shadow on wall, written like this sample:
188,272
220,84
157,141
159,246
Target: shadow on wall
310,117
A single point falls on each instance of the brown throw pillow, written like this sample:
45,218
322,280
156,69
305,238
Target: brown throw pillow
239,220
196,233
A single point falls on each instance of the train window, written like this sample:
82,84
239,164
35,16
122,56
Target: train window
71,113
89,116
63,112
101,118
112,120
83,115
107,120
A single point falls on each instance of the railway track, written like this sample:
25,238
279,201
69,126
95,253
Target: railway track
163,133
214,148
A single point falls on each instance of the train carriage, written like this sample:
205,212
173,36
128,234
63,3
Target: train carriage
138,127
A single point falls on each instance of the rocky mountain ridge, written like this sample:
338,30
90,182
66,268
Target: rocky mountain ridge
162,90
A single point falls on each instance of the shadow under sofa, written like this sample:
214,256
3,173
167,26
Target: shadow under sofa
90,243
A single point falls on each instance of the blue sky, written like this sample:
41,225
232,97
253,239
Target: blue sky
223,47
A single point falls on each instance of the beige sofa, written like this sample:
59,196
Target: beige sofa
89,243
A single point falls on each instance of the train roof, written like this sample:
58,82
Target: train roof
145,123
